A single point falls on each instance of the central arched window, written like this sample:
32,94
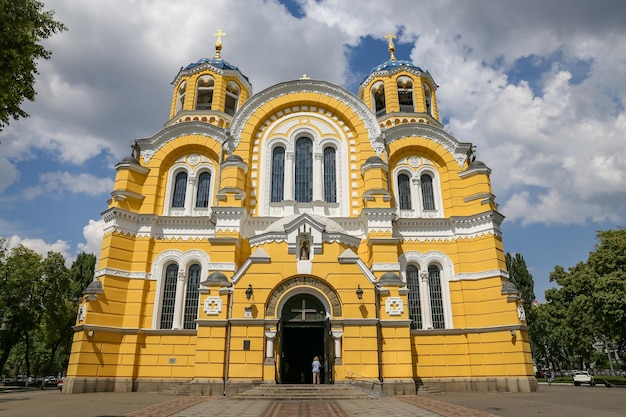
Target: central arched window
303,184
405,94
330,175
169,296
278,174
204,95
180,189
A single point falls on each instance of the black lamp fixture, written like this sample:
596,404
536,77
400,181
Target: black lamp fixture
359,292
249,292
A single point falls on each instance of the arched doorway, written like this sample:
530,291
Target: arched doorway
304,334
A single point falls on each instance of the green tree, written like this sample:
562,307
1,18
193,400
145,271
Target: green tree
523,280
82,272
24,25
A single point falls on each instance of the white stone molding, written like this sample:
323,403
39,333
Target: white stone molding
459,150
221,266
212,306
386,267
473,276
82,313
121,273
450,229
394,306
349,257
251,106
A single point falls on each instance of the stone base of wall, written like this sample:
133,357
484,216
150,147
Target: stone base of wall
215,388
511,384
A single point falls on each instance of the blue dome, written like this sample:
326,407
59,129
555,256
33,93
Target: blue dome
395,64
217,63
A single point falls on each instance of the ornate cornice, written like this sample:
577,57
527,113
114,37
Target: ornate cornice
251,107
454,228
149,146
460,150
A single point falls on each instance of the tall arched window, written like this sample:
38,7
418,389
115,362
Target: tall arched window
428,97
378,97
404,191
204,95
192,297
180,101
278,174
232,97
303,184
405,94
436,298
330,175
180,189
428,196
415,310
204,188
169,296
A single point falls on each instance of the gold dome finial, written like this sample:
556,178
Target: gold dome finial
390,46
218,44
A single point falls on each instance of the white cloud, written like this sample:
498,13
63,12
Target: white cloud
55,184
42,248
93,233
8,173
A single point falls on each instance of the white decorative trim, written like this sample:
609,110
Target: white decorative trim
212,306
221,266
393,266
121,273
394,306
473,276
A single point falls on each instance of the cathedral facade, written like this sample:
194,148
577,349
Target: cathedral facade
255,232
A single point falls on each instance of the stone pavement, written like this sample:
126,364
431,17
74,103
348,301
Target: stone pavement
554,401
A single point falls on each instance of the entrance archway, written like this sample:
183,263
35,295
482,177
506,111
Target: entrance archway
304,334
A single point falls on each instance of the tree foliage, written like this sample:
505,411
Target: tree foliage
38,307
523,280
587,309
24,25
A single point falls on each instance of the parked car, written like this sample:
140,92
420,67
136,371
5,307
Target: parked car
49,381
583,377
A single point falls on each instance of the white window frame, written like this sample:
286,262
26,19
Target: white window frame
191,191
417,203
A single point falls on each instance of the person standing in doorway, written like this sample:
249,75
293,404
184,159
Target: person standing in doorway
316,370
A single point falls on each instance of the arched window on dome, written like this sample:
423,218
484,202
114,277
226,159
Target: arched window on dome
428,98
180,99
169,296
204,93
303,178
232,98
378,98
204,190
428,195
404,191
192,295
405,94
180,189
438,318
278,174
415,309
330,175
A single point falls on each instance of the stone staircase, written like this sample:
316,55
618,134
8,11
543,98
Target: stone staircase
305,392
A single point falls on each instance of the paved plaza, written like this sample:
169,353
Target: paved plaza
553,401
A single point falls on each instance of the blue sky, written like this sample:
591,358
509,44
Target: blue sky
538,87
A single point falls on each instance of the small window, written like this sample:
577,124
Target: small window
428,97
169,296
204,188
278,174
404,191
180,189
232,98
378,97
405,94
180,101
204,99
330,175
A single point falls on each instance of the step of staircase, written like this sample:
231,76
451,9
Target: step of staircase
305,392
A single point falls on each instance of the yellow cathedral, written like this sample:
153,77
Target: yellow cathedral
255,232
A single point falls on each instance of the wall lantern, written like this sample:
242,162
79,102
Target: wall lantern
359,292
249,292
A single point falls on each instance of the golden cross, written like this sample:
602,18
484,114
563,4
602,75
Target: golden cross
218,44
390,46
